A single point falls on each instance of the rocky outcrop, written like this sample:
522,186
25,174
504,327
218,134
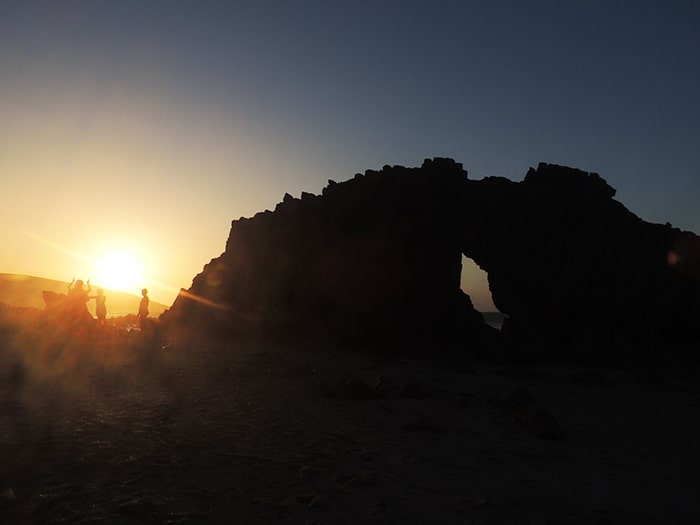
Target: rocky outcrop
378,258
576,270
67,313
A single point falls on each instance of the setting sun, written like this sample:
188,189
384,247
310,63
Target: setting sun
119,271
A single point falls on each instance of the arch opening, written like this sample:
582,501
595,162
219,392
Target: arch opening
474,282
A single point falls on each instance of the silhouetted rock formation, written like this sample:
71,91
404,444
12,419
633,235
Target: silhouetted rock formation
378,258
573,267
65,316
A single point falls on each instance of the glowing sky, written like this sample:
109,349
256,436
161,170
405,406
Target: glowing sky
146,127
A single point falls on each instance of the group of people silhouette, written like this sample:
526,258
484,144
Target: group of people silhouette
79,295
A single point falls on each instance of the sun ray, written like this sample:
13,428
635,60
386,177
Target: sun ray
48,242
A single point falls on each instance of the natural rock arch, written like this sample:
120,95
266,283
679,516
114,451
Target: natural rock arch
378,258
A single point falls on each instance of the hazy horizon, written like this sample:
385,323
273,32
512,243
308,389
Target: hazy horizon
21,290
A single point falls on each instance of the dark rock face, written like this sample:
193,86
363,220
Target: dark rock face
378,258
574,267
67,314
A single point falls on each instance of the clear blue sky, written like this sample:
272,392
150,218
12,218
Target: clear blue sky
149,126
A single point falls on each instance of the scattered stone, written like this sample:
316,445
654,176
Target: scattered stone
308,473
518,372
591,377
308,500
299,370
384,386
519,397
424,424
417,390
379,508
649,376
466,400
458,364
326,389
352,388
523,407
348,387
356,480
7,497
541,422
361,479
137,507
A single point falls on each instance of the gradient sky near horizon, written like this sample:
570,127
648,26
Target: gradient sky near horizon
147,126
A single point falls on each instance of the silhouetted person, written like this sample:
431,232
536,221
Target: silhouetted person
100,307
143,309
78,295
76,301
76,287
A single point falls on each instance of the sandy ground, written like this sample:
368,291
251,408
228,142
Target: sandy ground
121,432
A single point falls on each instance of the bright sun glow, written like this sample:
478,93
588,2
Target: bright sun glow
119,271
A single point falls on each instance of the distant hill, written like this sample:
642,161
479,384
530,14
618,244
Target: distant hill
25,291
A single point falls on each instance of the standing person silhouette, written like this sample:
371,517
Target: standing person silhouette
143,309
100,307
